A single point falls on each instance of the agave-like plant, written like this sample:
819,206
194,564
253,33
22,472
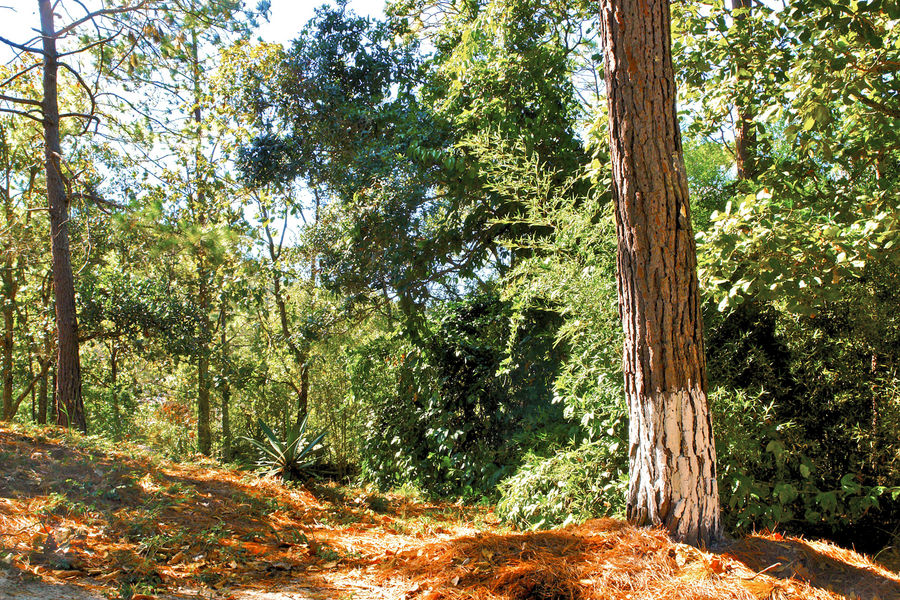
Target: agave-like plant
287,458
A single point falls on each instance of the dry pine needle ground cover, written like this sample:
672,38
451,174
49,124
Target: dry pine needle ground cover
124,523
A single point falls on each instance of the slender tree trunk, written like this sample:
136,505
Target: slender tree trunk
42,399
226,385
204,435
9,282
300,355
70,405
8,347
745,132
54,408
114,388
672,460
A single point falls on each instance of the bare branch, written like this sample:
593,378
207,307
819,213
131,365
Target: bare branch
21,47
23,113
20,100
875,105
101,202
19,74
88,117
100,13
93,45
90,93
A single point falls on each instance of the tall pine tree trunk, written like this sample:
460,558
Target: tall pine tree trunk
9,280
70,406
672,460
204,269
204,435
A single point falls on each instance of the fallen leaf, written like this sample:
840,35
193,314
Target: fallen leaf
455,580
717,565
68,574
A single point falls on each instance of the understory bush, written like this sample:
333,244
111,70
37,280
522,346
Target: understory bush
806,412
453,411
570,486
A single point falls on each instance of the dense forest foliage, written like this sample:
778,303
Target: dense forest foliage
399,233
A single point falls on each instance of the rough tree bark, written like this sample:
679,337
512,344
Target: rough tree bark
70,405
672,461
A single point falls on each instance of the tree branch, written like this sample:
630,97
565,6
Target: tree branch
21,47
21,113
92,45
100,13
875,105
20,100
19,74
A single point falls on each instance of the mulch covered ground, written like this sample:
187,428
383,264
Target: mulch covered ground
132,525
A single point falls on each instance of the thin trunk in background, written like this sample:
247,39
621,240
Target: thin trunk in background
226,385
745,132
70,405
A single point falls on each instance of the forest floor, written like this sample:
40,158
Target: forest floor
81,521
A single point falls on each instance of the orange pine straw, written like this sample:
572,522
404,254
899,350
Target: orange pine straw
122,517
607,559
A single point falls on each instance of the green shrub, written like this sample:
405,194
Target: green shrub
768,477
453,411
571,486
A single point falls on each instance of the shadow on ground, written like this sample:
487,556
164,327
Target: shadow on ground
797,559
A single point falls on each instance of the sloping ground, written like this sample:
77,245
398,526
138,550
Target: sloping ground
81,521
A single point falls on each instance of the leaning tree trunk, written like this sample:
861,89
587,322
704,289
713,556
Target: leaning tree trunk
672,460
70,406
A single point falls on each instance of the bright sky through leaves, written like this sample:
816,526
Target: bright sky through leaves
286,18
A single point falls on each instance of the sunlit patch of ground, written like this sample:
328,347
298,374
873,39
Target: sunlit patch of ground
124,523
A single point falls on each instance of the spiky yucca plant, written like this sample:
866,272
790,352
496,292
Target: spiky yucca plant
287,458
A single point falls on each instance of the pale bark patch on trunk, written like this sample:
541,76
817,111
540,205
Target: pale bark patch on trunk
672,462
